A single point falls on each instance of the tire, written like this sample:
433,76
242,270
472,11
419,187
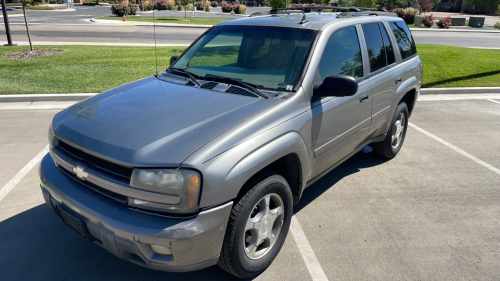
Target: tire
236,255
388,148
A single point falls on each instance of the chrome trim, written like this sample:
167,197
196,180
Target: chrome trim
116,186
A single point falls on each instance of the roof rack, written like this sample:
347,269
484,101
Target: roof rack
366,13
309,9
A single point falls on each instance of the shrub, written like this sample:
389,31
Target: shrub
277,4
444,22
428,21
124,8
189,7
162,4
226,8
410,15
200,5
147,5
399,11
214,4
346,3
497,25
239,9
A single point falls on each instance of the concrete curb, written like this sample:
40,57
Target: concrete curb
45,97
452,30
78,97
464,90
139,23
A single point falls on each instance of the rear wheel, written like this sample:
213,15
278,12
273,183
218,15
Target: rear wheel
393,142
258,226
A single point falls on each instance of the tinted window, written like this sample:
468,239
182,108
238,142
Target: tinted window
404,39
376,49
342,55
389,51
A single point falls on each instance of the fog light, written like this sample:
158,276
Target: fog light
162,250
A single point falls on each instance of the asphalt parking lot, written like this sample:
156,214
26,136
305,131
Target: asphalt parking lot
431,213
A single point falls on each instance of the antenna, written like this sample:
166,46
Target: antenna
154,34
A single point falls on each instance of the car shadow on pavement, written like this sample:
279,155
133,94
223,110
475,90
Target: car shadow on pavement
37,245
349,167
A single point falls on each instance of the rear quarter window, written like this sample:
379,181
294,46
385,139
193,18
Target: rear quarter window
404,38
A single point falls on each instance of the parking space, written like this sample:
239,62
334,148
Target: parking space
429,213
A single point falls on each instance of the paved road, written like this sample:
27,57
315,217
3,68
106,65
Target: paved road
97,33
430,213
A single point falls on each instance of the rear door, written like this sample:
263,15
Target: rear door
385,75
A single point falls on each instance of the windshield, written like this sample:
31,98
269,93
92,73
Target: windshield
268,57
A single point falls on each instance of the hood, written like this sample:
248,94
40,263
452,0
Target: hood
155,123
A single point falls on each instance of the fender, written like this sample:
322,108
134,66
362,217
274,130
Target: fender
232,169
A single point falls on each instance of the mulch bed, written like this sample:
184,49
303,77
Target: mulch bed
34,54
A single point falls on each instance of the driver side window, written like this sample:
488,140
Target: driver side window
342,55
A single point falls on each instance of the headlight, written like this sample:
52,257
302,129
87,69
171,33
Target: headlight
184,183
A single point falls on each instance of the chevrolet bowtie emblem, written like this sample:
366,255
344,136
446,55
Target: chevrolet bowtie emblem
79,170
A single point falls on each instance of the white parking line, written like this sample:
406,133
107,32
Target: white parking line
310,259
22,173
494,101
473,158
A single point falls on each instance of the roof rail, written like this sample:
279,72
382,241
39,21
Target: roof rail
366,13
255,14
309,9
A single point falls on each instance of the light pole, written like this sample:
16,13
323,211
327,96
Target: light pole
6,21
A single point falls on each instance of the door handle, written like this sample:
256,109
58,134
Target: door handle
363,98
398,80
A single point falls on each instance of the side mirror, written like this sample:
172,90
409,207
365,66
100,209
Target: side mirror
337,86
173,59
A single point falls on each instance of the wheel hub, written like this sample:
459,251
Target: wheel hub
263,226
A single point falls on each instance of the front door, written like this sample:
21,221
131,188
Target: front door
340,124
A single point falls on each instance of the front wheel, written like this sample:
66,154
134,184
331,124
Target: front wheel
258,226
391,145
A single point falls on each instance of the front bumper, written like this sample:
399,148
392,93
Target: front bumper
195,242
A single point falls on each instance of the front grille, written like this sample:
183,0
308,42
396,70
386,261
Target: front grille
96,164
240,91
113,195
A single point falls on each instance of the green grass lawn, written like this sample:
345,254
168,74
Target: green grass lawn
88,69
79,69
459,67
176,20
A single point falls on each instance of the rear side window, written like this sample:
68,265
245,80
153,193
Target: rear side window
389,50
342,55
376,48
405,40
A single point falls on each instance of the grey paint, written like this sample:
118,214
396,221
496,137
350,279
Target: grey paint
228,138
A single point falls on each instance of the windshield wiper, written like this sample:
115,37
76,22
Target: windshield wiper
237,82
189,75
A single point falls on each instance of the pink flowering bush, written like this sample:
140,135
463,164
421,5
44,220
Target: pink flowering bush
428,21
124,8
444,23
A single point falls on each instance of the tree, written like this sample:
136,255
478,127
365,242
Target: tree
27,28
346,3
426,5
365,3
183,4
389,4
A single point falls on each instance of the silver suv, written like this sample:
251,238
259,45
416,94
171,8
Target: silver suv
202,164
